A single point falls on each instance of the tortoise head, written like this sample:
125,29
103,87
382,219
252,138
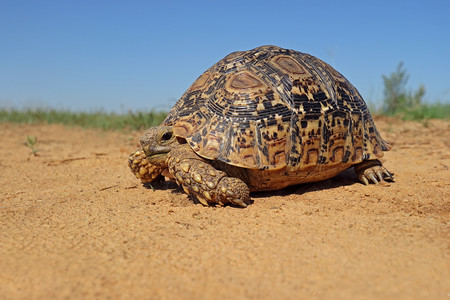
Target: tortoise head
157,142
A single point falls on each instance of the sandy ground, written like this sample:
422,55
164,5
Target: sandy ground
76,224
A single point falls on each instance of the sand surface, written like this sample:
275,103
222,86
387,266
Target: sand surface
76,224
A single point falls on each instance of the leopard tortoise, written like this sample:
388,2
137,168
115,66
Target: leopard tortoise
262,120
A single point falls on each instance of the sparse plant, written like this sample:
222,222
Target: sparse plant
30,143
397,99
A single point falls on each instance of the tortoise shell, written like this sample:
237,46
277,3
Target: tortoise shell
272,108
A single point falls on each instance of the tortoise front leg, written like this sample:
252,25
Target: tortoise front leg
202,181
141,168
372,171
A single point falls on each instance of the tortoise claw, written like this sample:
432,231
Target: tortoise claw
202,201
388,174
379,175
364,180
372,177
372,171
238,202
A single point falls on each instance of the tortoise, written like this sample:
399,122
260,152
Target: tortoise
261,120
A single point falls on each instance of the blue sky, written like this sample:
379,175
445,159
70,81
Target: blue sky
121,55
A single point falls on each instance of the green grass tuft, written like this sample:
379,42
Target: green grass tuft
140,120
425,111
132,120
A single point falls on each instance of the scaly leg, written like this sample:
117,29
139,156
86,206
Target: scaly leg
202,181
141,168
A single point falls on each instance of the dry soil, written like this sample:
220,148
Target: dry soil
76,224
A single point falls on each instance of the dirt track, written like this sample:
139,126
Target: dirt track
76,224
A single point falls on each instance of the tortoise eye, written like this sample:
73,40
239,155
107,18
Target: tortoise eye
166,136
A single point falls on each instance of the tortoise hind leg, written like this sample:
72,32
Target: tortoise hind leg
372,171
205,183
